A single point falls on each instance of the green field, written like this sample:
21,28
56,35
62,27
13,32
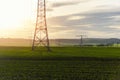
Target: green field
60,52
62,63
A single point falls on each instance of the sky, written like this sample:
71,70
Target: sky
65,18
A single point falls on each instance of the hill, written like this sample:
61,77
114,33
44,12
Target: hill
58,42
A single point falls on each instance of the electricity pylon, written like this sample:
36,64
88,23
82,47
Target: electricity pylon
41,32
81,39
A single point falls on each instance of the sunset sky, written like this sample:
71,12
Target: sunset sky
65,18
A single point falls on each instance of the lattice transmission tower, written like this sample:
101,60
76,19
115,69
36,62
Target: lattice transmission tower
81,39
41,32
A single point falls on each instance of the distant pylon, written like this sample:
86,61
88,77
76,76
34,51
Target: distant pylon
41,33
81,39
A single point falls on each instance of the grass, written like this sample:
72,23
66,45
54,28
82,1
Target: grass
60,52
62,63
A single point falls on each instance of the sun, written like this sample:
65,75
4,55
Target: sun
13,13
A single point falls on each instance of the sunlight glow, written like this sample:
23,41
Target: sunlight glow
13,13
18,17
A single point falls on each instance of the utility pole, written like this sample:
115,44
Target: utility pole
81,39
41,32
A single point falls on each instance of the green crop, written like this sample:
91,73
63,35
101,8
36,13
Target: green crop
62,63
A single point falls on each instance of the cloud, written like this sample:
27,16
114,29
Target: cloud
56,4
49,9
68,3
53,5
99,21
116,27
61,4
